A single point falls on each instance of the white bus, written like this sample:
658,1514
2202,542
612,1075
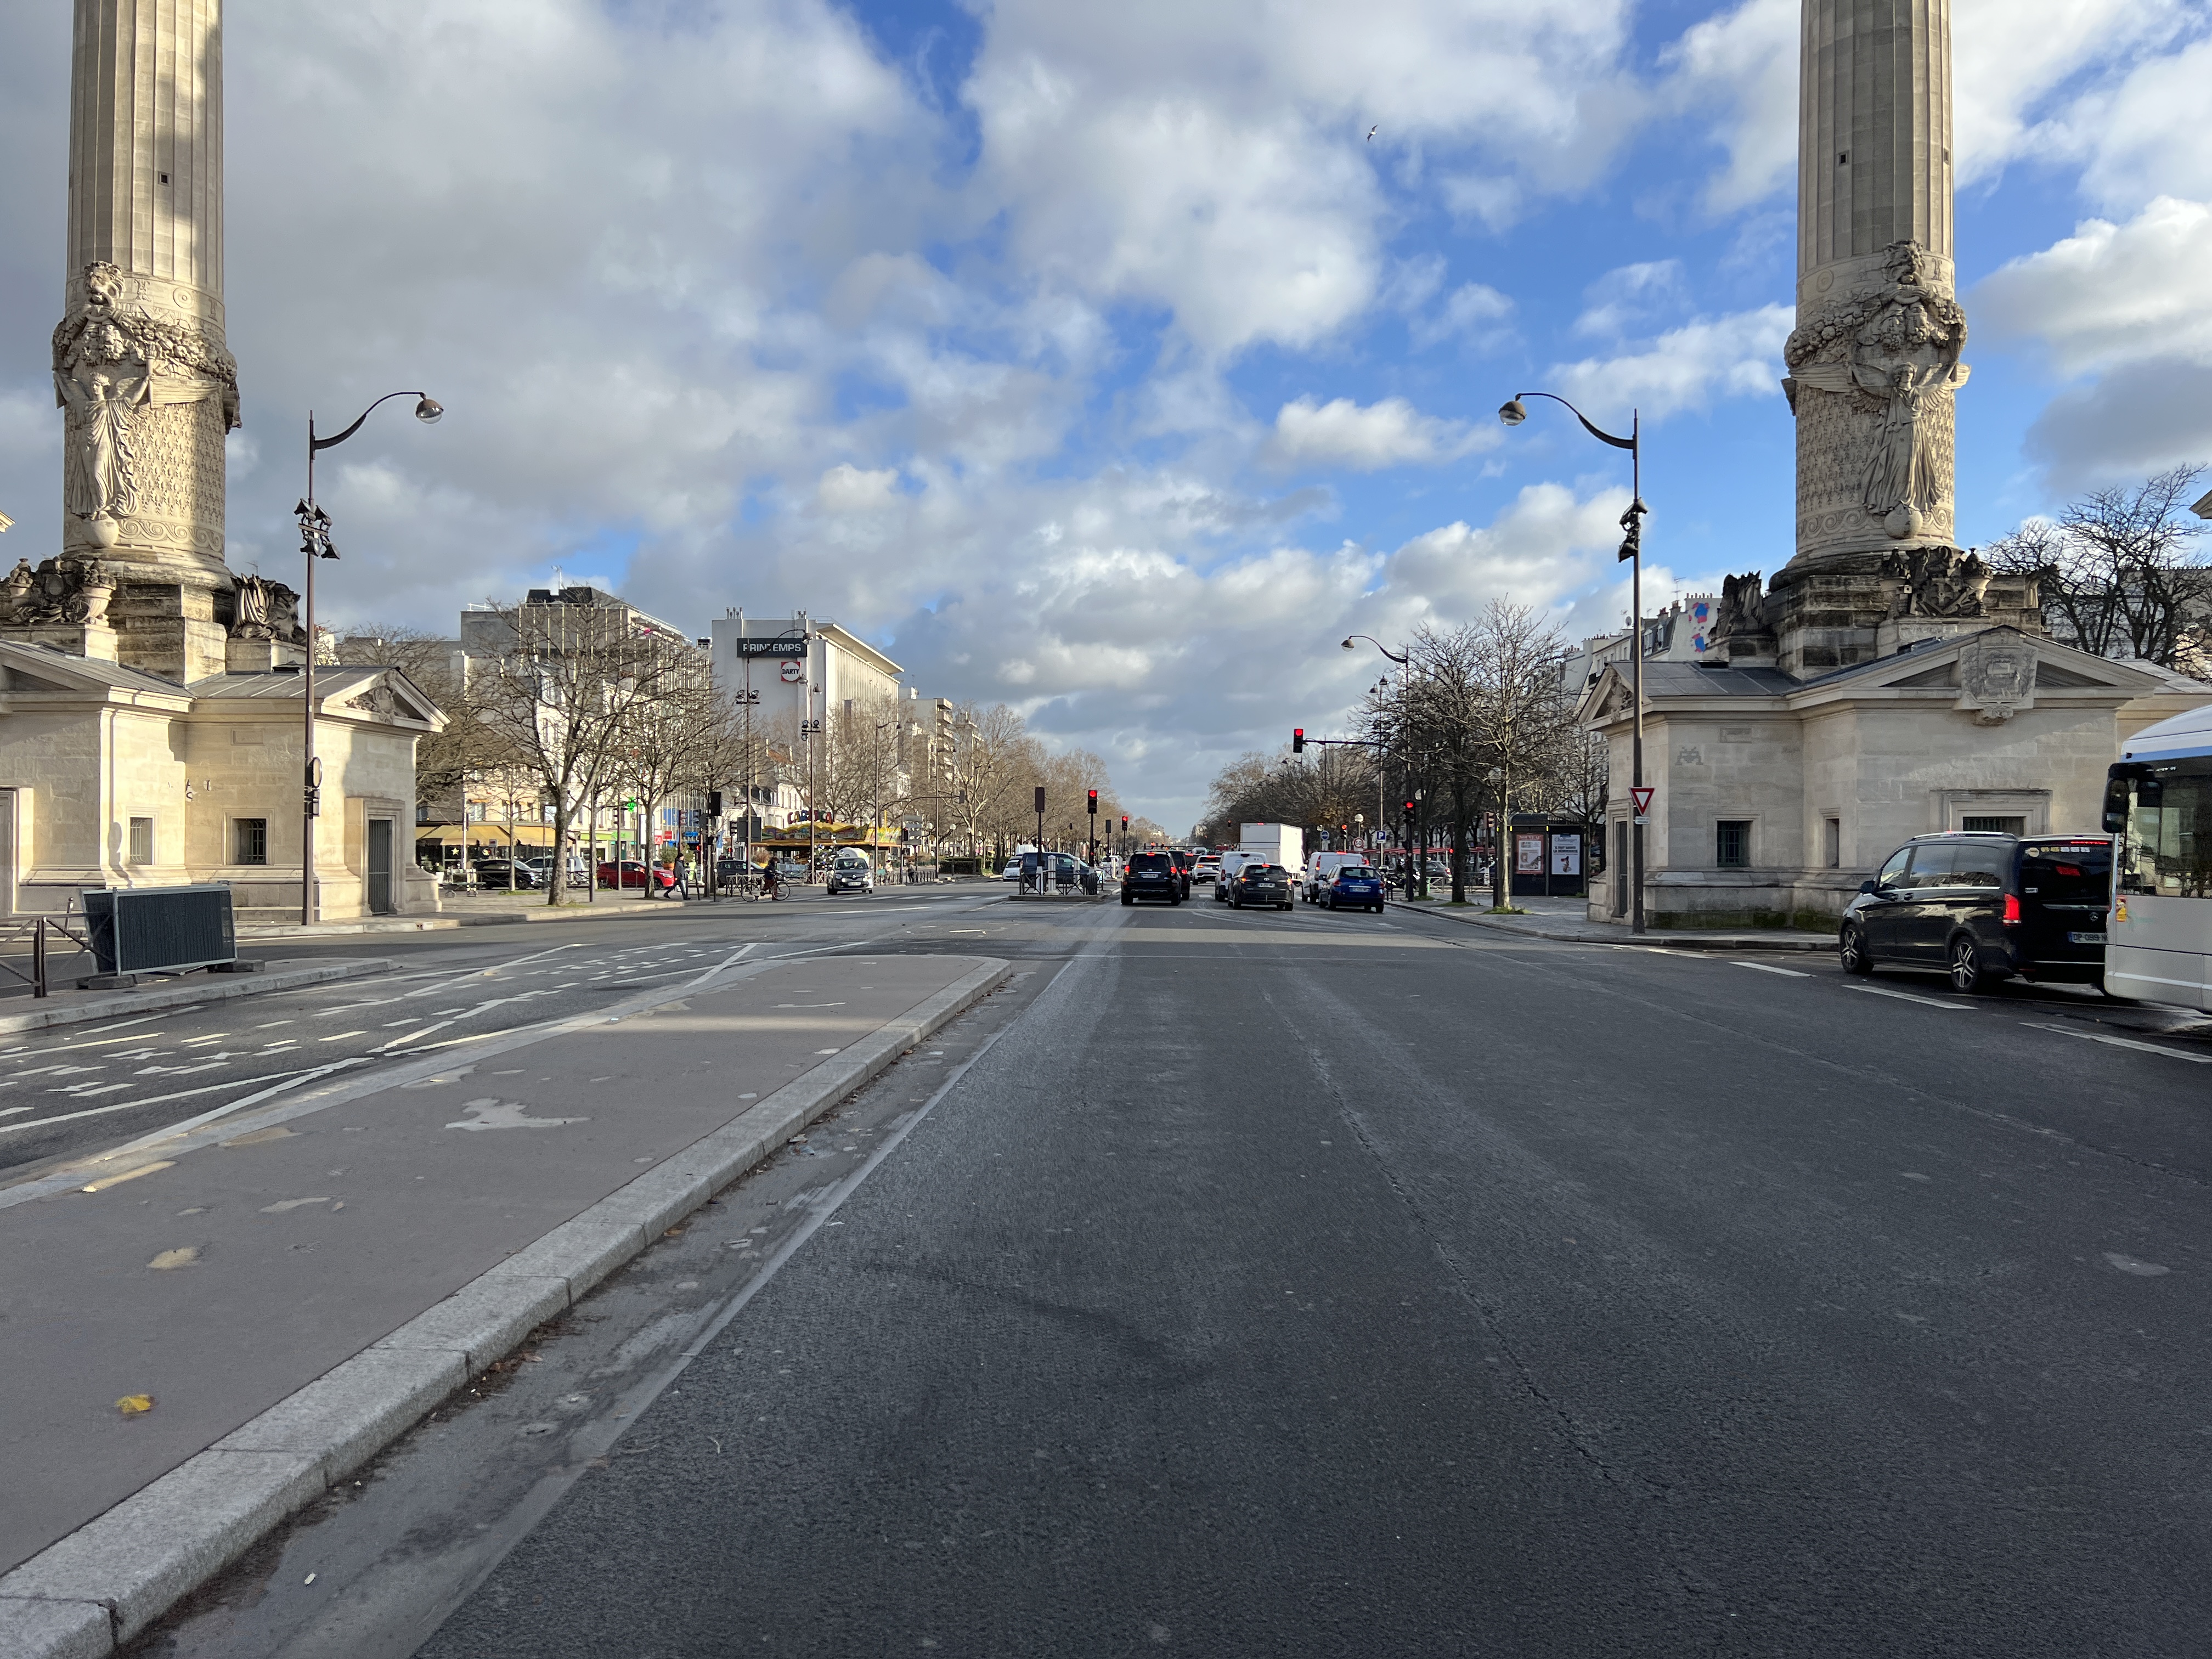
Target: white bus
2158,806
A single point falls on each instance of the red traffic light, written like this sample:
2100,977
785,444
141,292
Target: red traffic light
1298,740
1125,820
1409,808
1094,802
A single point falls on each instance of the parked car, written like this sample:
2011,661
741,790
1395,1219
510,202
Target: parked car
653,877
1152,875
1354,887
1320,870
1981,908
851,872
1261,884
499,875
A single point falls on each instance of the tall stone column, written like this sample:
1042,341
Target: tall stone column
1874,363
146,386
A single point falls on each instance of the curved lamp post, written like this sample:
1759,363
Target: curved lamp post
1515,411
1378,645
315,542
1382,817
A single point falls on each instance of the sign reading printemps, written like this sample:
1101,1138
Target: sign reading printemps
782,644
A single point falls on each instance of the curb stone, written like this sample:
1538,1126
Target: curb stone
85,1595
1671,939
183,996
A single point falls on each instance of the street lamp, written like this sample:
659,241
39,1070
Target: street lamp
1513,412
315,542
1378,645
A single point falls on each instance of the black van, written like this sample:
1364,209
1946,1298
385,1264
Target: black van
1983,908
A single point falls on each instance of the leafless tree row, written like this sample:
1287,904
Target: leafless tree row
2123,572
1476,721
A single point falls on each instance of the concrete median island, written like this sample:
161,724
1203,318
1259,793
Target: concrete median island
294,1288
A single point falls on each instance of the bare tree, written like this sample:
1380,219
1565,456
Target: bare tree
2121,572
558,688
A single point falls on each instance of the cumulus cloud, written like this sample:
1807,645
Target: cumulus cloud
1737,356
2111,294
1208,159
1632,295
1341,433
2025,72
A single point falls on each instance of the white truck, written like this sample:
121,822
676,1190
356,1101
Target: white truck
1277,843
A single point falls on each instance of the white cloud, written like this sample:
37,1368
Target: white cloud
2111,294
1737,356
1210,159
1341,433
1631,294
1473,314
846,489
2018,66
2147,136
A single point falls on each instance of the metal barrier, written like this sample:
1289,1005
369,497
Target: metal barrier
159,929
38,933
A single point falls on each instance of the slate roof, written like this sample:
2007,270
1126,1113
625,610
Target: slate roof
330,681
1690,679
35,656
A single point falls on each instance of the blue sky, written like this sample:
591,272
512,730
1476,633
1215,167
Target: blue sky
1092,358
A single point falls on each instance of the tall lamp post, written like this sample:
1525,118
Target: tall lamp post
316,543
1512,413
1416,867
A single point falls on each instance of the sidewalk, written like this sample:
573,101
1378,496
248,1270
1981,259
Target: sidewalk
21,1011
294,1288
1567,920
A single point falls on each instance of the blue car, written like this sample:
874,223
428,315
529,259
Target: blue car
1355,887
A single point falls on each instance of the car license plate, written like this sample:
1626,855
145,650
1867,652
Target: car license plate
2084,939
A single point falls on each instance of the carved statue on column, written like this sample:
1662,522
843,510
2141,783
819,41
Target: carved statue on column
1893,346
110,363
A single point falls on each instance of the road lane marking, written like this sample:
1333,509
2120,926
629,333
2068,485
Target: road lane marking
1761,967
1907,996
2121,1042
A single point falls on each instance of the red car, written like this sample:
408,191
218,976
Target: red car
634,874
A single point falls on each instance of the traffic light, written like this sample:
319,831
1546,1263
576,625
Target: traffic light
714,803
1409,811
1094,802
1298,740
1125,823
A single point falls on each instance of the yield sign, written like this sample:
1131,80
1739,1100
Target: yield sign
1642,799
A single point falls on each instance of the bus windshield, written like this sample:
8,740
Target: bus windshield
2167,849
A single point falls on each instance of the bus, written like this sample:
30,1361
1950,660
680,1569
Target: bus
2158,806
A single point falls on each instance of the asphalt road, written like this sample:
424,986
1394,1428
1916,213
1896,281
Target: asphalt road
77,1089
1297,1283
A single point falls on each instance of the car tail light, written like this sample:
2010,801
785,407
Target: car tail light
2012,910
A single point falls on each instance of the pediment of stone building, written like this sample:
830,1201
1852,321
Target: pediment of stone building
389,695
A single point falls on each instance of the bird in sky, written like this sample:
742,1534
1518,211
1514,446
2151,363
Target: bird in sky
1372,131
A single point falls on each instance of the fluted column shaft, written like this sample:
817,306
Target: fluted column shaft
1874,362
140,363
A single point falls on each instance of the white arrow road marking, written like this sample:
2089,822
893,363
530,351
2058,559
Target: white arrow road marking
491,1114
2123,1042
1907,996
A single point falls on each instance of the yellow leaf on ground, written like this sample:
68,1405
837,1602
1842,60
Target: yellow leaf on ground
135,1404
183,1257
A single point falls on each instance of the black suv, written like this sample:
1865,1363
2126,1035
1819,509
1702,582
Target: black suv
1261,884
1151,875
1983,908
